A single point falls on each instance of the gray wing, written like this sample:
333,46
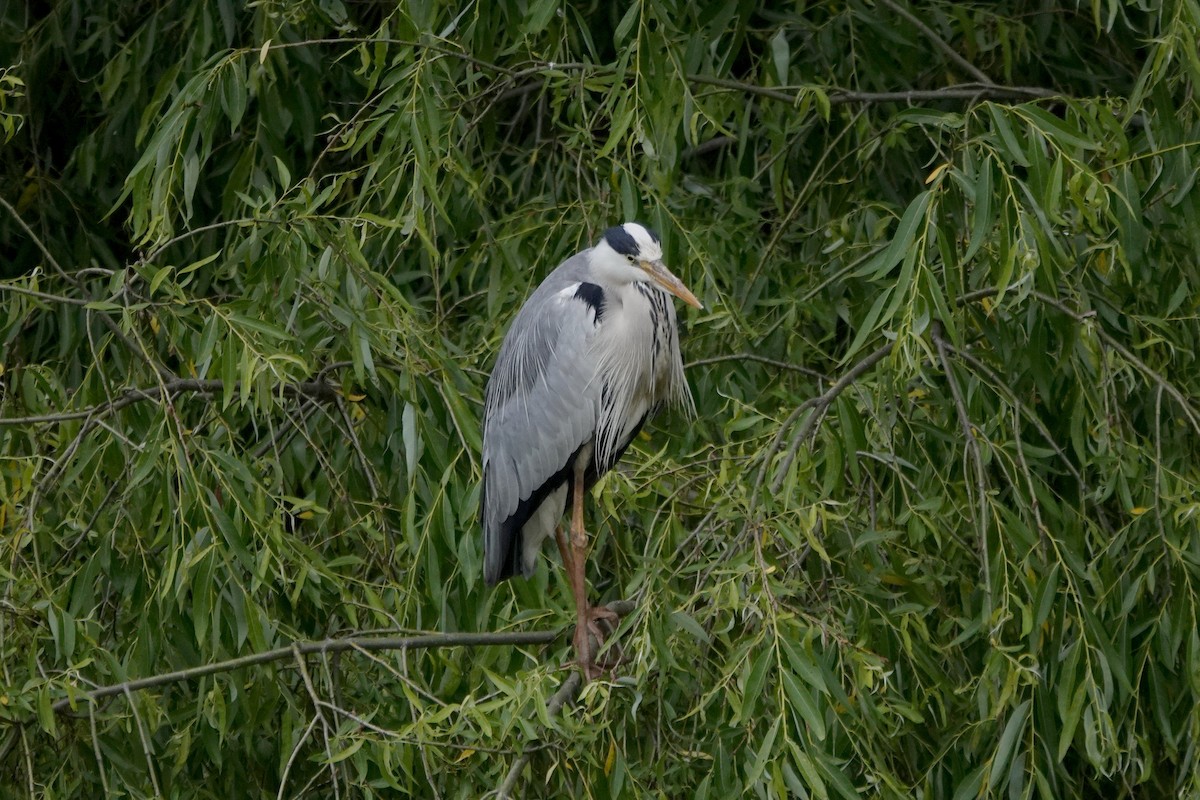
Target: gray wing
541,406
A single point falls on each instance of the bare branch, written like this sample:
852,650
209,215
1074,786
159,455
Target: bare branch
320,712
108,321
939,42
313,389
37,241
292,758
761,360
972,453
568,691
146,751
819,404
968,91
337,645
707,146
972,92
50,298
1185,404
1189,410
352,435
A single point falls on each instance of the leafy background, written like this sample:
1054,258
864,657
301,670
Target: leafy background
933,532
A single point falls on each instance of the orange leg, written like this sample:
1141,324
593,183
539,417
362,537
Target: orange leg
587,617
568,560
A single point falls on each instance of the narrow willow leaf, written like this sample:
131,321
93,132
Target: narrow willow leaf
1010,147
1008,739
1057,129
982,218
804,703
763,754
902,241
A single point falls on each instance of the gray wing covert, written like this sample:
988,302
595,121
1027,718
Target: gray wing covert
541,406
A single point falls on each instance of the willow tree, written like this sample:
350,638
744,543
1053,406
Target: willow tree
933,532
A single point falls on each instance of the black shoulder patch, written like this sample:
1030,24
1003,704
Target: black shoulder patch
593,295
620,240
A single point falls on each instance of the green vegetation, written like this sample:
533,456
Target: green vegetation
934,532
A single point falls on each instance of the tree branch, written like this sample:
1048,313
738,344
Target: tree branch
939,42
566,692
966,91
1185,405
50,298
37,241
1189,411
569,689
972,453
108,321
336,645
315,389
819,404
761,360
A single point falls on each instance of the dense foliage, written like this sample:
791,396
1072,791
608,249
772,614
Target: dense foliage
933,532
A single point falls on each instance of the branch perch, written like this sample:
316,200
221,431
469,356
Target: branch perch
423,642
566,693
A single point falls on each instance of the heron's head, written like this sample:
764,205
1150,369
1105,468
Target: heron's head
632,252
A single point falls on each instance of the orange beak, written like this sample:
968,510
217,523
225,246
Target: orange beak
666,279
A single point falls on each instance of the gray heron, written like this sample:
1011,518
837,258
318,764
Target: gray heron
591,354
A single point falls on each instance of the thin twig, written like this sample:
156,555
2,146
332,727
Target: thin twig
972,453
569,689
363,463
761,360
287,768
314,389
939,42
961,92
1188,409
971,91
37,241
819,404
566,692
137,718
316,701
96,750
108,321
423,642
1082,317
51,298
1029,414
707,146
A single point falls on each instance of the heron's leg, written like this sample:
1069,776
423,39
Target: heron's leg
564,550
587,616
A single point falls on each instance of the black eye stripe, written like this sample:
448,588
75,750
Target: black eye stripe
620,240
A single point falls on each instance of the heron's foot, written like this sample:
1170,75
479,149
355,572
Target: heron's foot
594,628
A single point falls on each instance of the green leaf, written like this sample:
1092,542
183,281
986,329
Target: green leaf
752,691
803,703
1004,750
763,754
1010,148
631,16
901,243
970,785
781,56
982,218
1056,129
